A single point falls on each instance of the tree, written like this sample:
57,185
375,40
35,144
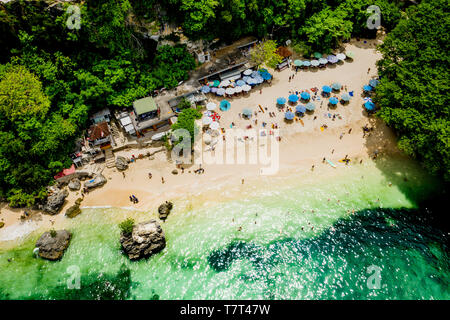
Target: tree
413,93
265,53
186,120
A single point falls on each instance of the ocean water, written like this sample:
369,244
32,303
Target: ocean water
351,237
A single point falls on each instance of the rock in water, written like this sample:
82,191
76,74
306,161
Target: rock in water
98,181
74,184
164,210
146,239
52,248
55,202
73,211
121,163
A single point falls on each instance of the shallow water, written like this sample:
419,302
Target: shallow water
305,244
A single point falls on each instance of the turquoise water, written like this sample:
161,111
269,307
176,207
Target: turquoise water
306,244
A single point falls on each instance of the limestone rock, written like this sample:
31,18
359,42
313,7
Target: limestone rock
52,248
121,163
74,184
164,210
55,202
147,238
73,211
174,171
98,181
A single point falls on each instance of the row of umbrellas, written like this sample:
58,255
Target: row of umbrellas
372,85
224,105
323,61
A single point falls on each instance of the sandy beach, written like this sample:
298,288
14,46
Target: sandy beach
301,146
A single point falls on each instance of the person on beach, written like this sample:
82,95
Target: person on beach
350,130
149,175
312,168
162,179
340,137
123,174
131,199
242,181
323,160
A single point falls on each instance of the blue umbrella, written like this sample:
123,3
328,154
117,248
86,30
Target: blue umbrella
289,115
281,100
255,74
345,97
367,88
336,86
225,105
369,105
310,106
247,112
240,83
300,109
332,58
305,95
206,89
374,82
306,63
251,81
326,89
334,100
293,98
266,76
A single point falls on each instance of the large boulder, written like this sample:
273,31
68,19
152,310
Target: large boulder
74,184
121,163
52,244
147,238
164,210
98,181
73,211
55,201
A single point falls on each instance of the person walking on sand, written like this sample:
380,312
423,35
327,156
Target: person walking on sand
162,179
123,174
131,199
312,168
349,130
242,181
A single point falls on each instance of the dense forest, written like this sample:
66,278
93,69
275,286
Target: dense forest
54,73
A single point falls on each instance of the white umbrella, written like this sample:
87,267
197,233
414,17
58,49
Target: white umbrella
246,88
211,106
341,56
225,83
238,89
323,61
315,63
248,72
206,120
214,125
230,91
207,138
220,92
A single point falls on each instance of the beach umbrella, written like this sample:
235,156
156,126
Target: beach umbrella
258,80
214,125
341,56
206,89
323,61
213,89
306,63
345,97
315,63
255,74
326,89
317,55
215,83
369,105
211,106
247,112
251,81
334,100
246,88
220,91
367,88
245,78
206,120
238,89
332,58
263,70
266,76
289,115
374,82
298,63
300,109
248,72
350,54
281,100
336,86
367,99
229,91
310,106
293,98
305,95
225,105
224,83
240,83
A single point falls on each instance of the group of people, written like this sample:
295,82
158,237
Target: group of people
134,199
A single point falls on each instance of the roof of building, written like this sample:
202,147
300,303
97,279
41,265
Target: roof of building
144,105
98,131
284,52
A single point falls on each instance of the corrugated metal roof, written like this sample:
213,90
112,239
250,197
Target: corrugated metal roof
144,105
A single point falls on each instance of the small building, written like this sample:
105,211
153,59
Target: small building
99,135
145,109
103,115
286,54
126,123
203,56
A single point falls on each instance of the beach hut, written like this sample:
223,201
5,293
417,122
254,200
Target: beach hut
225,105
367,88
289,115
345,97
323,61
310,106
315,63
373,83
247,112
298,63
220,91
293,98
326,89
317,55
334,101
336,86
206,89
281,100
300,109
248,72
369,105
306,63
341,56
210,106
305,95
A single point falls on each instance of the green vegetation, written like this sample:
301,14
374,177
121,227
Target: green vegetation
53,233
127,226
186,120
265,53
413,94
